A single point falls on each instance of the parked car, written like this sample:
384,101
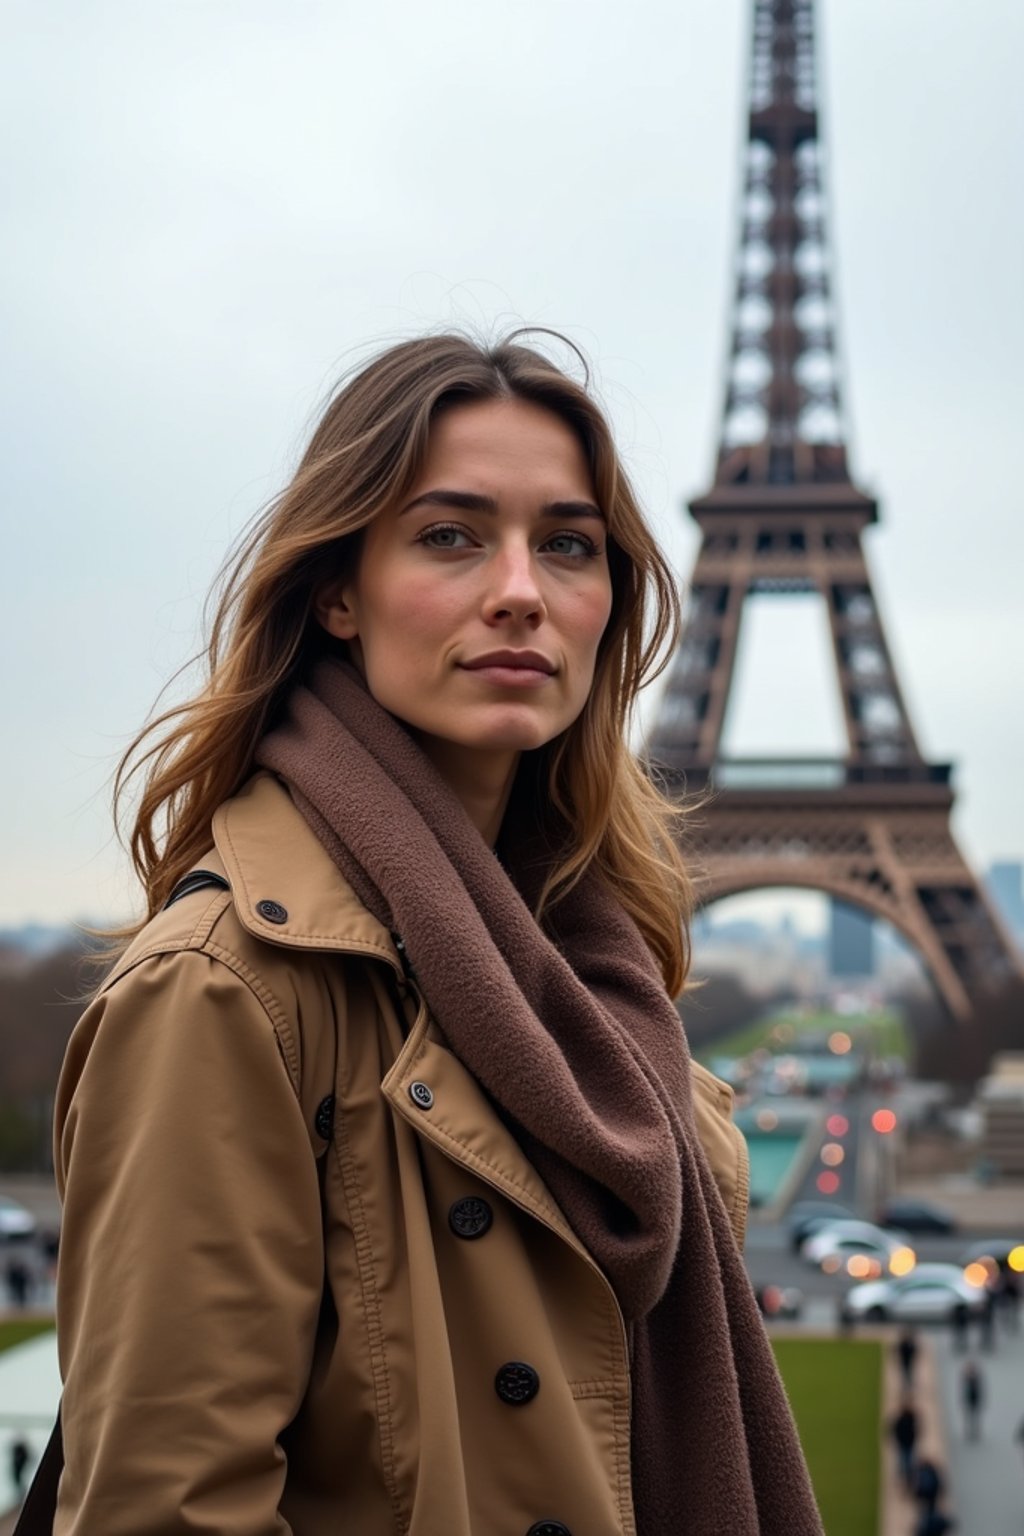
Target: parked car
995,1252
15,1220
809,1216
917,1216
932,1293
861,1249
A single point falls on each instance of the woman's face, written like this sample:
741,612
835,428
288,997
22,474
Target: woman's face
478,604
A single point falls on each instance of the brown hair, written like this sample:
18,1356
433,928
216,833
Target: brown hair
364,454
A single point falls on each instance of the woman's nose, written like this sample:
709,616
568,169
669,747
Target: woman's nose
514,590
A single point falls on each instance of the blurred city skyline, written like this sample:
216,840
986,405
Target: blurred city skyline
213,212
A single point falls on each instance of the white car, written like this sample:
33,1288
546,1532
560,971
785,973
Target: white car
859,1248
15,1220
932,1293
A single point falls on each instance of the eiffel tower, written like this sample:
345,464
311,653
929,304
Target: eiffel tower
784,516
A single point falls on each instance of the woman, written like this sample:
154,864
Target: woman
392,1200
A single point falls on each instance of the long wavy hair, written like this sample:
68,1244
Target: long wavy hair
363,457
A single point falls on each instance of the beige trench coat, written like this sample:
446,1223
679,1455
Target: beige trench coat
308,1280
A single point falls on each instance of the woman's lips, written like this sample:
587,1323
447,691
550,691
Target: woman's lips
512,668
502,675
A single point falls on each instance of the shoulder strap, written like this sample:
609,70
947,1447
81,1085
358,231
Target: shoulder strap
195,880
40,1506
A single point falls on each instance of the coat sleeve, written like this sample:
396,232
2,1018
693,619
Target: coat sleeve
191,1257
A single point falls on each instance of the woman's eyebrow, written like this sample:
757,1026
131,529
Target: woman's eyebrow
573,509
466,501
472,501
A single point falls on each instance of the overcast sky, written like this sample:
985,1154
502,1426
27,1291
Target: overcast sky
211,207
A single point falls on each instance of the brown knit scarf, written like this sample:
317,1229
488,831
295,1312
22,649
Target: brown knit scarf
572,1035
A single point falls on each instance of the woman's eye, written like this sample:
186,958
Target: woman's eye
572,544
445,536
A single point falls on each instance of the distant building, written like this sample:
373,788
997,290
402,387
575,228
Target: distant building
1005,881
1000,1098
851,942
765,959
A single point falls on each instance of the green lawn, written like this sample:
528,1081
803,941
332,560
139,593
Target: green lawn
18,1330
835,1386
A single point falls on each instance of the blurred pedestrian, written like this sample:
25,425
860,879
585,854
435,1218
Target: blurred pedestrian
904,1432
929,1484
987,1319
960,1320
972,1397
934,1522
906,1352
20,1456
19,1281
1009,1297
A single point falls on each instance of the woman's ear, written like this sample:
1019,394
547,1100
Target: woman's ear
334,607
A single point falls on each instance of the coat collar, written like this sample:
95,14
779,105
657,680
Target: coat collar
271,854
275,863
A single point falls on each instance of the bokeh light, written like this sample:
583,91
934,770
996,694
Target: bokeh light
827,1183
766,1119
883,1121
861,1266
1015,1259
832,1154
771,1299
839,1042
837,1125
831,1264
978,1273
902,1261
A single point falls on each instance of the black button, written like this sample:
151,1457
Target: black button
272,911
549,1528
470,1217
421,1095
324,1121
516,1383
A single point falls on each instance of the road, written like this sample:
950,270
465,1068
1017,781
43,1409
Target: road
862,1181
770,1261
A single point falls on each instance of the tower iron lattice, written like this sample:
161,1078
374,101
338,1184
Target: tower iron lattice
784,516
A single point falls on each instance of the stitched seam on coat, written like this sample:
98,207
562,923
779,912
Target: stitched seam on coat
477,1157
165,947
741,1199
220,900
208,918
720,1096
580,1389
623,1448
612,1392
623,1470
276,1014
286,940
374,1324
271,1007
481,1161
